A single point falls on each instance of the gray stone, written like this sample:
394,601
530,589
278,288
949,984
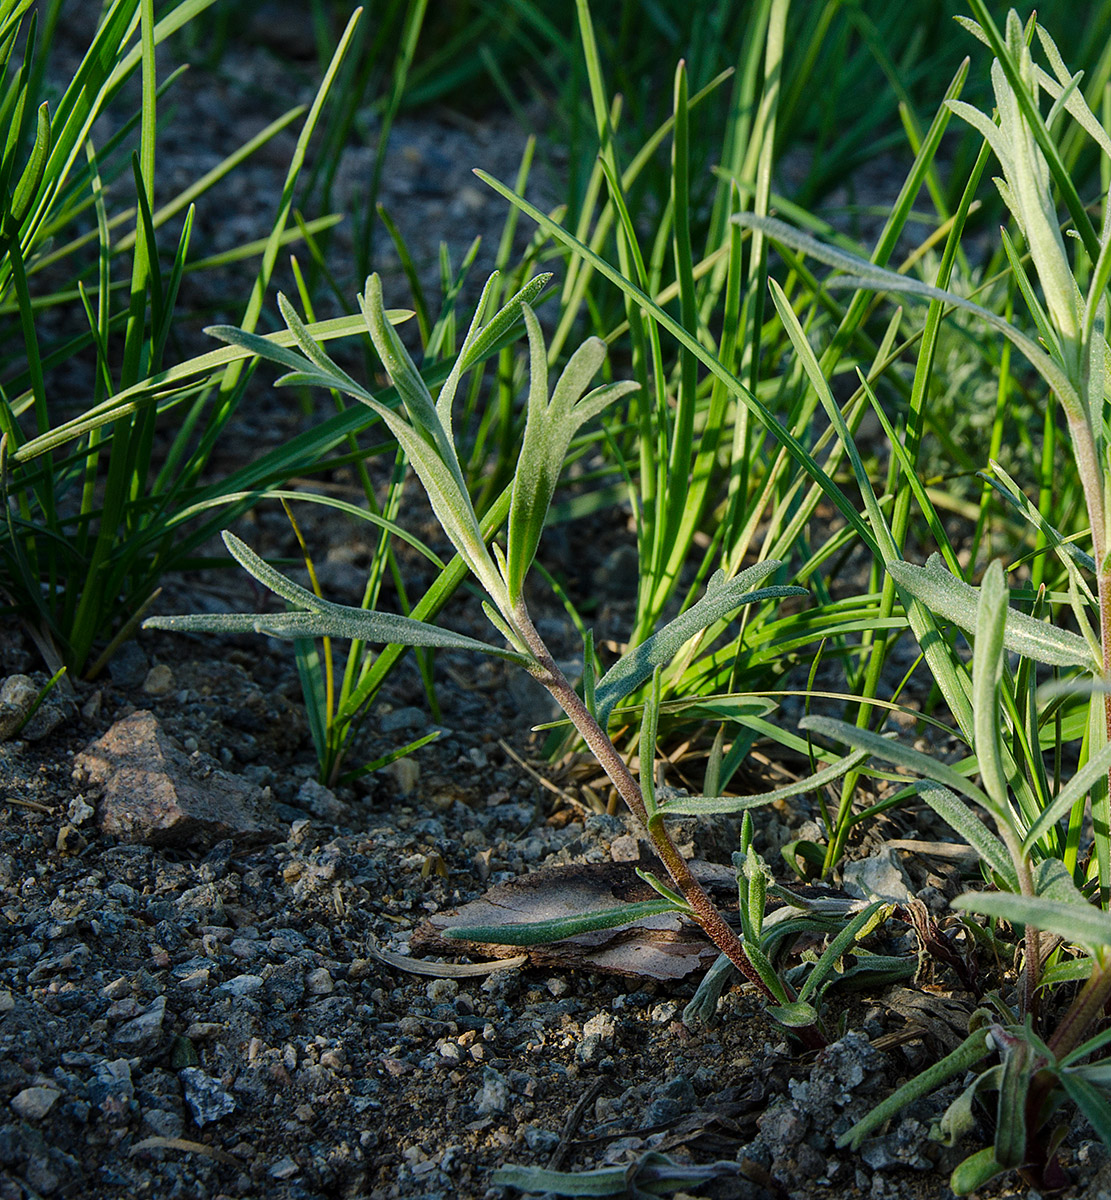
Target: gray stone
111,1089
155,794
242,985
402,720
284,1168
543,1141
319,982
207,1100
286,982
880,877
33,1103
322,802
899,1147
144,1032
163,1123
128,666
782,1128
675,1099
493,1096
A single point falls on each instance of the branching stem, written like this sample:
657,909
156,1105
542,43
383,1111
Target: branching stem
705,912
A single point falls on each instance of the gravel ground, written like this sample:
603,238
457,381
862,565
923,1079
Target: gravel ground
207,959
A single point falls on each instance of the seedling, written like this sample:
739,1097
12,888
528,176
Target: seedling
425,434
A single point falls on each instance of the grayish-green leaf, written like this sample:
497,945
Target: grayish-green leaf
1092,1101
652,1174
550,426
963,821
823,968
987,672
1019,1064
958,1119
556,929
699,805
863,274
954,600
1079,924
796,1014
976,1170
896,752
323,618
722,598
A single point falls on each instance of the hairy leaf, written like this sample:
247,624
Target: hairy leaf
943,593
1079,924
722,598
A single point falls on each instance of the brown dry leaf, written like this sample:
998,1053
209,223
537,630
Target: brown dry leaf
943,1018
666,946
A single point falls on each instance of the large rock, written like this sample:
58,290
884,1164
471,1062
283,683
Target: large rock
154,793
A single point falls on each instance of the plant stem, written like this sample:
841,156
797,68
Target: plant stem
1083,1010
703,909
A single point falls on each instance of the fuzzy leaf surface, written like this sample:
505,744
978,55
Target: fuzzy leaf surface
953,599
722,598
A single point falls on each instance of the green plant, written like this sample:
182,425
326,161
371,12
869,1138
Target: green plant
425,433
1046,887
88,532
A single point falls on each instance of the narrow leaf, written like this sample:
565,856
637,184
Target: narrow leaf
699,805
896,752
1091,1100
954,600
1079,924
963,821
721,599
542,933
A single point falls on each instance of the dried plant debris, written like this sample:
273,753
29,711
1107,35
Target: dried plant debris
661,946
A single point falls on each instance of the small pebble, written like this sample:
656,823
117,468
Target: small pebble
439,990
159,681
207,1100
80,810
33,1103
319,982
242,985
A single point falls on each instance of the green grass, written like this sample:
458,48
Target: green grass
828,385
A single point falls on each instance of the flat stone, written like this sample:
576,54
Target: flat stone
155,794
242,985
402,719
143,1032
33,1103
880,877
322,802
